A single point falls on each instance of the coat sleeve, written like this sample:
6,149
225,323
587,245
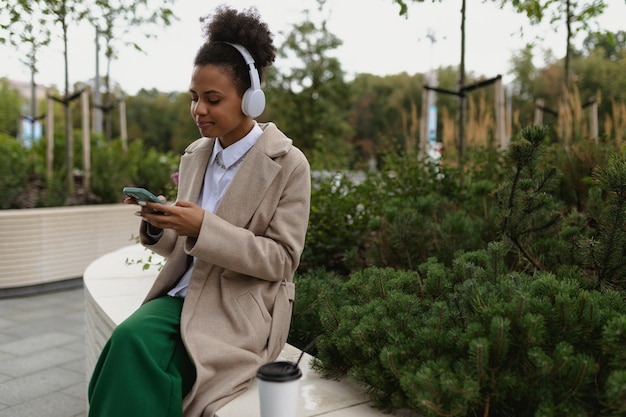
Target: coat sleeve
266,249
163,245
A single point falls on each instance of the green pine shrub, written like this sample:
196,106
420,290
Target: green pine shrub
476,339
530,213
315,289
528,319
604,253
576,162
413,228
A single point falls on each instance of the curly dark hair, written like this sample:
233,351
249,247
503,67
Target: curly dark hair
245,28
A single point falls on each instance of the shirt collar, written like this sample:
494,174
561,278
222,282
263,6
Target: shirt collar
235,152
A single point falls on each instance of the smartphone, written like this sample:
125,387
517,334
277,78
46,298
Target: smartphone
141,194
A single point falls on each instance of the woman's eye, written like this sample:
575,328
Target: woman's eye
213,102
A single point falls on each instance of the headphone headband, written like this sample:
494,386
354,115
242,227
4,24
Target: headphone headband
249,62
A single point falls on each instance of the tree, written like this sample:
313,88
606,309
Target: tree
460,139
53,12
613,44
576,15
34,34
384,112
312,101
113,22
152,116
65,13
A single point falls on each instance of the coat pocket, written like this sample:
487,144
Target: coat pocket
258,319
281,319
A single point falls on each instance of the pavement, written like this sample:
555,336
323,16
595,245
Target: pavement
42,354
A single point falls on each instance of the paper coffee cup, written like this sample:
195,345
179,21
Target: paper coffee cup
279,389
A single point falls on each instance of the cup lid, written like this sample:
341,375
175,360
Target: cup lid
281,371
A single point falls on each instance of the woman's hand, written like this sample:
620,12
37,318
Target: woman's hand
183,217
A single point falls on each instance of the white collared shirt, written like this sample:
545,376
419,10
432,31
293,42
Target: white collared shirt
223,165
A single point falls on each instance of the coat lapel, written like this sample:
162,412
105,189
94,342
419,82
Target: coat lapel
256,173
247,188
192,169
254,177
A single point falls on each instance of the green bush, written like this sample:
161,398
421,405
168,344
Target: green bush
314,288
413,228
409,211
15,168
113,169
530,323
474,339
154,171
340,212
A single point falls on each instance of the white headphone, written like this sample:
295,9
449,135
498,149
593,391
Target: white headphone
253,100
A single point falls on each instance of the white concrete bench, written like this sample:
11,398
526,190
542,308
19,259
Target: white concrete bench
113,290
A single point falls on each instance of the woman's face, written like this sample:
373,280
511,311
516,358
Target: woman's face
216,105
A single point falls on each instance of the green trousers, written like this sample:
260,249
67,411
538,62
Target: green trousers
144,369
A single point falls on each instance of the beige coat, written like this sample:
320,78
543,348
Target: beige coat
237,311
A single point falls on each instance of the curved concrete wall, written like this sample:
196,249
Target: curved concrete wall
45,245
114,289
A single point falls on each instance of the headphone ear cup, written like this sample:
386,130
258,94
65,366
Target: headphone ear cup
253,102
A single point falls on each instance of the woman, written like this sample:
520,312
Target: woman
221,305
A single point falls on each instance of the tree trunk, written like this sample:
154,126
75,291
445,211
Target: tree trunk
461,120
69,142
97,99
568,20
84,101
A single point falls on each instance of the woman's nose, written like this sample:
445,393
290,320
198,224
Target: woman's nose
199,108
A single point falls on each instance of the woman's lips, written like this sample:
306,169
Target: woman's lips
203,124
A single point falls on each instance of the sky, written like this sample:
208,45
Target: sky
376,40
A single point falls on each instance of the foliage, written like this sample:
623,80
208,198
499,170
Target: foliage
154,170
530,214
315,289
10,106
424,211
474,332
153,115
184,130
612,44
309,103
605,252
113,23
601,78
114,169
577,16
384,114
399,217
15,167
474,339
340,211
576,163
